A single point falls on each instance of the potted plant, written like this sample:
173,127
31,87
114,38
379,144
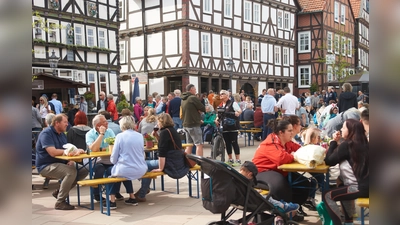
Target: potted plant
110,141
148,140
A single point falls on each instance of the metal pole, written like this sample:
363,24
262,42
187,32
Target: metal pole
230,80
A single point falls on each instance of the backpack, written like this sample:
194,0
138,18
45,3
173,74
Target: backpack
52,107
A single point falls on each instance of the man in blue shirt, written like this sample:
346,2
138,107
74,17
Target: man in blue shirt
174,109
49,145
268,108
111,125
95,140
57,104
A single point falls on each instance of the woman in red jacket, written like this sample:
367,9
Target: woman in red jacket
270,154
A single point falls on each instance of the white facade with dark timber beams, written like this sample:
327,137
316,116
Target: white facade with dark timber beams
84,35
178,42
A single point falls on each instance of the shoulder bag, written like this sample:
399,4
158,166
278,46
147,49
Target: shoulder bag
188,161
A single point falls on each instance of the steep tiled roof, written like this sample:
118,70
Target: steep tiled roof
312,5
356,6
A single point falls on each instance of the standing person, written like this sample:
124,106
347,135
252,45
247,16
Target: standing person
127,157
170,96
210,97
83,105
261,96
36,120
304,116
228,116
268,108
325,97
360,96
49,145
204,99
314,103
288,103
71,113
307,102
102,102
191,109
43,108
174,109
347,99
331,95
169,154
112,108
57,104
137,109
150,101
353,157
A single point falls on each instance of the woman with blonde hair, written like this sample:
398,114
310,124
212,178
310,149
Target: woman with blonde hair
147,124
43,108
312,136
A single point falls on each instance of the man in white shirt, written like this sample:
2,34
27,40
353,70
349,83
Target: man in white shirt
288,103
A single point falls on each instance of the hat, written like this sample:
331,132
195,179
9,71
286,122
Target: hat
252,168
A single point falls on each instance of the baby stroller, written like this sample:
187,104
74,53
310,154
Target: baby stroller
223,187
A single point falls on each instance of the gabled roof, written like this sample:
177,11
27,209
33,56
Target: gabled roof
312,5
356,7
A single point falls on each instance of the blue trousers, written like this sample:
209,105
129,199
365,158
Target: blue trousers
151,165
266,129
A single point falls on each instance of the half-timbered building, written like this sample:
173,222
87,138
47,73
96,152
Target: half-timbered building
325,43
83,35
177,42
361,30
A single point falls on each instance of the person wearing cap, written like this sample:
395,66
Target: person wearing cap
250,171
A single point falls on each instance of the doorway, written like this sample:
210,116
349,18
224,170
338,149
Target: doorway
249,90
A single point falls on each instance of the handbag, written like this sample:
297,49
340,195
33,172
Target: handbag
188,161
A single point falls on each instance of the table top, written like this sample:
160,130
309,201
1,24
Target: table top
84,156
246,122
297,167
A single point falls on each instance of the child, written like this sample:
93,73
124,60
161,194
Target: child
249,170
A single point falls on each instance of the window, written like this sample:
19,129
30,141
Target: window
277,55
207,6
228,8
329,42
343,46
286,56
256,13
279,19
286,21
205,44
304,42
304,76
336,15
349,48
91,39
247,11
102,39
78,35
336,44
52,32
254,47
122,56
103,82
227,47
121,10
343,14
245,46
38,30
329,73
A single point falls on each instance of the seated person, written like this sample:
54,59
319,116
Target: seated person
209,117
250,171
49,145
128,160
258,121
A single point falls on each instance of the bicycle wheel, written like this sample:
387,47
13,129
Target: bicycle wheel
218,149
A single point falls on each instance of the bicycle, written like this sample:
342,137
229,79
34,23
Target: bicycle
218,143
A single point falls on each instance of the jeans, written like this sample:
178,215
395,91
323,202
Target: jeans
177,122
99,170
116,186
69,175
266,129
151,165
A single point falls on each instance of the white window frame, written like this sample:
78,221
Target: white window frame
121,7
343,46
122,52
279,19
277,55
102,38
299,76
343,14
337,44
205,44
103,82
329,42
285,54
255,52
256,13
329,74
89,36
247,11
226,43
245,50
37,30
77,34
228,8
286,20
336,12
308,34
52,32
207,5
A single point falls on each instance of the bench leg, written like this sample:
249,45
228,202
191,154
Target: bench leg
162,182
193,175
177,186
362,215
